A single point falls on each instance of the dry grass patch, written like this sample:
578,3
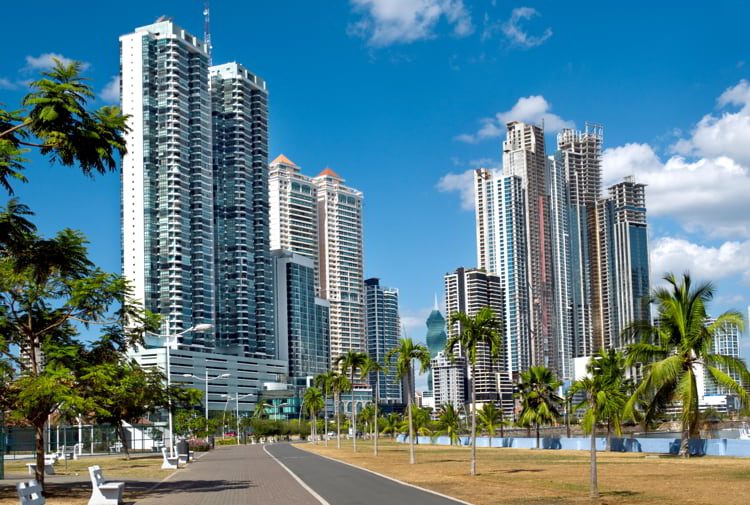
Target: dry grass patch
523,476
141,471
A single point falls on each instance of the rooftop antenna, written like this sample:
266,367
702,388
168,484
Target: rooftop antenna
207,30
436,302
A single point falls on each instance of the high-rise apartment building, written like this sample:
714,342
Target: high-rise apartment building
244,283
630,256
167,178
449,380
524,157
383,325
436,336
341,260
293,200
726,342
301,318
468,291
502,250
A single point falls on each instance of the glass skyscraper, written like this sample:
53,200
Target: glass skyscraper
383,326
436,337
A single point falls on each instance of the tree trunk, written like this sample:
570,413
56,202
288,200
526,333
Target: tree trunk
123,440
412,460
39,446
354,414
336,399
594,484
473,421
537,434
685,440
375,424
325,420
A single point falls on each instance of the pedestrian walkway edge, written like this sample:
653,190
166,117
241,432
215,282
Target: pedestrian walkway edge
300,481
436,493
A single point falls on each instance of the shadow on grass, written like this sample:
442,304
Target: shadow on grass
620,493
520,470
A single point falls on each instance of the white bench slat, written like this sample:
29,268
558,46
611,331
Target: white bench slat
30,493
103,492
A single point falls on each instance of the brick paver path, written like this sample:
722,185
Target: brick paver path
242,475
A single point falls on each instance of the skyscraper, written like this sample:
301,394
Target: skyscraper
502,250
383,325
244,284
468,291
524,157
167,177
630,256
341,260
301,318
435,337
293,200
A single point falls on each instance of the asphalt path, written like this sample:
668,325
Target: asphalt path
341,484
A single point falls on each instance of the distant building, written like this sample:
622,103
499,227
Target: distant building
436,336
726,342
341,261
468,291
449,380
301,318
383,326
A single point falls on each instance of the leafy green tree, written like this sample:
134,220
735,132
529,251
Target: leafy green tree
193,423
539,400
372,366
475,334
56,121
450,423
391,424
351,362
675,349
605,400
314,402
324,382
406,352
490,418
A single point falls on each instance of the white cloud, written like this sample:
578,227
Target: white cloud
46,61
7,84
111,92
676,255
727,134
517,35
529,109
708,195
387,22
463,183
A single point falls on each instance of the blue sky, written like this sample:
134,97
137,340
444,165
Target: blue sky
404,97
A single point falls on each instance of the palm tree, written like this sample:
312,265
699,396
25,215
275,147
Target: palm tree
611,365
366,417
676,348
490,417
475,334
314,401
324,382
605,399
405,353
261,409
539,401
351,361
339,384
372,366
391,423
450,422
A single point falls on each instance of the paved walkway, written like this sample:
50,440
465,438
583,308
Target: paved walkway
341,484
243,475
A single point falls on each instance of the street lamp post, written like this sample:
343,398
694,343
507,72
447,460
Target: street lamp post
237,399
207,379
169,342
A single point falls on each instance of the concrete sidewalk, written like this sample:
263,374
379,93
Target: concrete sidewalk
236,475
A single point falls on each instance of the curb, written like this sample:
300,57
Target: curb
436,493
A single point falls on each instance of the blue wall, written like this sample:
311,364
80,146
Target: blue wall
703,447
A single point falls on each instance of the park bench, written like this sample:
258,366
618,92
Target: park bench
169,462
103,492
77,450
30,493
49,467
